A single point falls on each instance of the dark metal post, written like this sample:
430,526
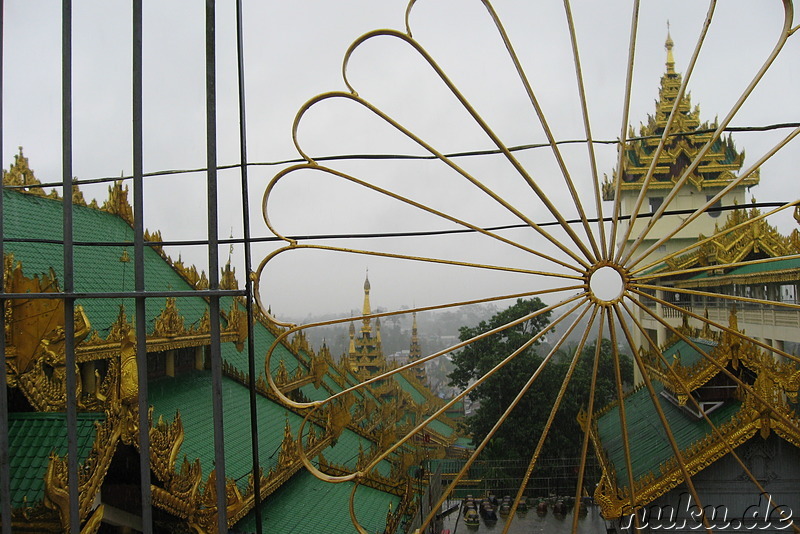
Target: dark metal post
248,283
139,284
5,468
69,282
213,263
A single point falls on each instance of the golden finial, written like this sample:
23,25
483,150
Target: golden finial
125,258
668,44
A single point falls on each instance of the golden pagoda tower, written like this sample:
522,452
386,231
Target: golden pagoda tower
716,169
415,352
365,353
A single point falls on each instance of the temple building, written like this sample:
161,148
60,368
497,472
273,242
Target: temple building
730,401
341,438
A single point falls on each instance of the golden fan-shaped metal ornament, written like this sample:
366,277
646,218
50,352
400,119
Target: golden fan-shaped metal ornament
659,272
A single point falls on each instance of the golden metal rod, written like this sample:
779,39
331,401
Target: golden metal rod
661,416
510,157
444,159
593,258
788,10
699,211
603,254
734,298
626,106
556,405
685,390
729,330
499,422
314,166
589,414
664,136
711,360
705,268
623,423
701,242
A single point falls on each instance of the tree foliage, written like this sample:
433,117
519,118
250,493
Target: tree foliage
518,436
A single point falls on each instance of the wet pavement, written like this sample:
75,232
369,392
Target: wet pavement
531,522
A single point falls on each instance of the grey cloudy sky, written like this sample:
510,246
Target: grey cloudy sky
294,51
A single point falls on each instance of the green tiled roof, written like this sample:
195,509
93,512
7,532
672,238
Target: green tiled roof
647,438
191,395
307,505
689,356
32,437
441,428
418,397
97,268
757,268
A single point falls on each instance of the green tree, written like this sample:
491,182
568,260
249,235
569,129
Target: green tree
518,436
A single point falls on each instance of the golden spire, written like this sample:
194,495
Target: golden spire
367,309
668,44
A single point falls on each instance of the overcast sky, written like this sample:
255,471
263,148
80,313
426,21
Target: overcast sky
294,51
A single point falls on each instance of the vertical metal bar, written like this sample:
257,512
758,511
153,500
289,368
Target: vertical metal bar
69,282
213,263
248,283
138,264
5,467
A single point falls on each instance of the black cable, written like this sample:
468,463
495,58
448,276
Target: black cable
470,153
380,235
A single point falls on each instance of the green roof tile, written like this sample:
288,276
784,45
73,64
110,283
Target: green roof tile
688,355
97,268
308,505
649,446
32,437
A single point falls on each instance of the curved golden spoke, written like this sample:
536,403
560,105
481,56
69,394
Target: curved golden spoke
485,377
788,11
661,416
700,242
713,361
623,133
440,156
706,268
556,405
685,390
398,197
667,129
723,328
623,423
702,209
603,253
587,429
295,328
478,119
548,133
482,445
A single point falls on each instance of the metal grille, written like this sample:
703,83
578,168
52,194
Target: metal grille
584,256
211,242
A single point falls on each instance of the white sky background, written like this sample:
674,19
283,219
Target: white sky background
294,50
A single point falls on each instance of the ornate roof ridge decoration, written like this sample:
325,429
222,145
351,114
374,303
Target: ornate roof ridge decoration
776,382
228,278
117,202
169,323
396,485
716,169
91,474
188,273
727,348
43,381
752,418
733,245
